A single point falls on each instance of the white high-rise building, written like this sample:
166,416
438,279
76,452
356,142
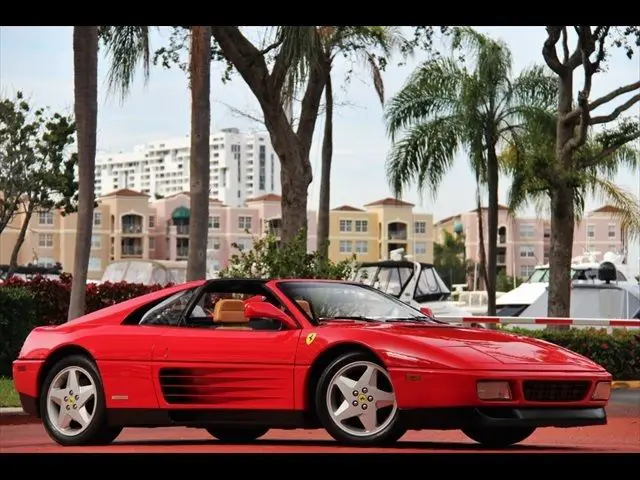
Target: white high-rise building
243,165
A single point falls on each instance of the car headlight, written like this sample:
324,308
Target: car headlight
602,391
493,390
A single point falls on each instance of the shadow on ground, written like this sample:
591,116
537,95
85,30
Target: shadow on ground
401,445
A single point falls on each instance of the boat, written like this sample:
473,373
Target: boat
415,283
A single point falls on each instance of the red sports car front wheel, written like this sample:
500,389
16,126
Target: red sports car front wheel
72,404
356,402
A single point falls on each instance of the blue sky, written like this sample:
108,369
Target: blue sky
39,61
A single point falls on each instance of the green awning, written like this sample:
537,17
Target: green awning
180,213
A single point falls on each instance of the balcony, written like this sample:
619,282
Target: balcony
131,247
132,224
397,231
182,229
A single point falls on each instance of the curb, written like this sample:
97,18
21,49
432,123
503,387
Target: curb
626,385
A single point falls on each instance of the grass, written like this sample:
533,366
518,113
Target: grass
8,394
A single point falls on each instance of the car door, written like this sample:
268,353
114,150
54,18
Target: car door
225,368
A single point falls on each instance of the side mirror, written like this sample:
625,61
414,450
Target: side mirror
259,309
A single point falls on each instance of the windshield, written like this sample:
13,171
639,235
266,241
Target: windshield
541,275
335,301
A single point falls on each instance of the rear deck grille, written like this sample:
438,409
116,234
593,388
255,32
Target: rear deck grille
562,391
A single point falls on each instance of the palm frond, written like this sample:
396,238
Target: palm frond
433,89
625,203
424,155
127,47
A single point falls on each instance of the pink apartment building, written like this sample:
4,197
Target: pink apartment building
227,226
523,243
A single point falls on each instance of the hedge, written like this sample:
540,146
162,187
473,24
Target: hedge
41,301
17,319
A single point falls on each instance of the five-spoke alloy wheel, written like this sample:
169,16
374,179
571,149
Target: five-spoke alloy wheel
72,404
356,402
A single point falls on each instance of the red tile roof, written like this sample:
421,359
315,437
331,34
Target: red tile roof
390,202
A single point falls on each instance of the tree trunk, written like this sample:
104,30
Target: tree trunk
562,211
483,252
13,262
199,169
325,178
85,65
492,221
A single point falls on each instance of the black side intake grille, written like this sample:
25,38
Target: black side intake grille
544,391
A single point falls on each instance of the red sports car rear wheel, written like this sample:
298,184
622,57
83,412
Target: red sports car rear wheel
356,402
72,404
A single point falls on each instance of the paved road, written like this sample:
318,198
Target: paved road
622,434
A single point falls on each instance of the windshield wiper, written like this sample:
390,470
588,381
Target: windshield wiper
408,320
346,317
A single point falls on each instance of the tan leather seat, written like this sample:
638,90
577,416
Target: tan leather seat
305,306
229,313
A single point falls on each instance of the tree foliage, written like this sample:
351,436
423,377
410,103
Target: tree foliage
270,259
36,167
449,259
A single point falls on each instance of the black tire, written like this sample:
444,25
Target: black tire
99,432
499,437
237,434
389,435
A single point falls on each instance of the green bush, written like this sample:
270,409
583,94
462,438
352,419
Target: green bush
618,352
17,318
269,259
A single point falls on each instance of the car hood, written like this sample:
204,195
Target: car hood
503,348
481,348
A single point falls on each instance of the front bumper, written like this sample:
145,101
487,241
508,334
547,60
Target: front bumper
460,418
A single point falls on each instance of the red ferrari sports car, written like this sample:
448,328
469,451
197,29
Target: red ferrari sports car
238,357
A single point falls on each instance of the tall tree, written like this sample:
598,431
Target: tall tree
573,122
447,106
362,43
34,146
199,169
85,68
533,153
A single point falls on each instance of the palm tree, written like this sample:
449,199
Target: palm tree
199,169
85,66
126,46
446,107
359,41
532,151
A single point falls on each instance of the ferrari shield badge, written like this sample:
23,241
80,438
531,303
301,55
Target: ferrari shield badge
310,338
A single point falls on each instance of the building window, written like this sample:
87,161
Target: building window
362,246
213,243
97,219
527,231
420,248
152,221
96,241
345,246
346,225
95,264
45,218
420,228
527,251
152,243
214,222
591,231
526,270
612,231
262,167
244,223
362,226
45,240
244,244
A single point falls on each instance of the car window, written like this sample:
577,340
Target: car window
169,311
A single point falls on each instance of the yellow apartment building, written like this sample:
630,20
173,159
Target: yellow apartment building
120,230
380,227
